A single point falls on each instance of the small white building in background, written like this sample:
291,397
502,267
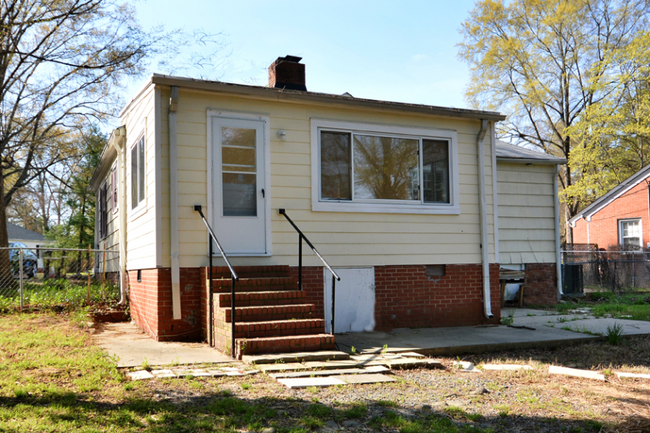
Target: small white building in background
28,237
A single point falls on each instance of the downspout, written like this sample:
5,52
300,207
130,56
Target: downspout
118,143
558,259
173,204
485,258
495,194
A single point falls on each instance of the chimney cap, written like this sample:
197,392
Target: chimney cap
293,59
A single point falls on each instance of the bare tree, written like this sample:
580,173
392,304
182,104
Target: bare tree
59,61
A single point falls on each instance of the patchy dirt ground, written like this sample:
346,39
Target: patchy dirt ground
505,401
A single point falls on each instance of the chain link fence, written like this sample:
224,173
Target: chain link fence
57,278
586,268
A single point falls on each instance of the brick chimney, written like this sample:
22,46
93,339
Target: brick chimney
287,73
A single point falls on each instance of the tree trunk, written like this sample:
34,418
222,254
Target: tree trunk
6,278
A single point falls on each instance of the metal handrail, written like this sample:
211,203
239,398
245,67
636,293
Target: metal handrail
301,237
234,278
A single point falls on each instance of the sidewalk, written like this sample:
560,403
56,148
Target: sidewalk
531,328
542,329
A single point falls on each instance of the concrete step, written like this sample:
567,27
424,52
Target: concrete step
248,299
275,328
251,271
292,343
265,313
261,284
284,358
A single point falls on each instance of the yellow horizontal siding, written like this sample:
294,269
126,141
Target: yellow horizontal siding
346,238
526,213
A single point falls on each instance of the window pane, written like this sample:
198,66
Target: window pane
239,198
385,168
435,167
134,177
335,166
238,159
241,137
141,171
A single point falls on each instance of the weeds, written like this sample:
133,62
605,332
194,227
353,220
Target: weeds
614,334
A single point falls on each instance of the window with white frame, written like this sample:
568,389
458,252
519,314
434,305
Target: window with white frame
137,173
114,188
379,168
103,210
630,233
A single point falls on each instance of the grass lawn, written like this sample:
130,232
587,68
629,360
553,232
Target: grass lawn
633,306
54,379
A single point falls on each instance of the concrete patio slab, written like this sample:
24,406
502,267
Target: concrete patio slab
547,331
131,346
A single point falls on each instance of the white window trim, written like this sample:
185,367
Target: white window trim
141,208
621,240
453,208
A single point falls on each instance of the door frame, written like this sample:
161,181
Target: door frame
266,144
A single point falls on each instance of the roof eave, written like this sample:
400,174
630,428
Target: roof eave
532,160
284,94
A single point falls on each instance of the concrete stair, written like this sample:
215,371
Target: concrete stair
271,312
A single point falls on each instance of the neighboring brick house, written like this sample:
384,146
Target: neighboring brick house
399,198
618,219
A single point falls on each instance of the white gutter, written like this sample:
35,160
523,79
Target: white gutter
173,205
495,195
119,140
485,257
558,258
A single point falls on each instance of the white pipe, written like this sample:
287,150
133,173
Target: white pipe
558,258
485,257
119,140
173,205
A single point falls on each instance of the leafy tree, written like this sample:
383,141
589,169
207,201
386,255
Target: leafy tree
78,231
546,62
613,136
59,60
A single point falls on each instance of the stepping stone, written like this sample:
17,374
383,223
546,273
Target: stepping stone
198,372
310,381
366,378
506,367
140,375
434,363
412,355
182,372
405,363
466,367
587,374
216,373
266,368
632,375
160,374
295,357
369,370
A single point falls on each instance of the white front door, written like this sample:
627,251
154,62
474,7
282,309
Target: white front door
354,300
239,191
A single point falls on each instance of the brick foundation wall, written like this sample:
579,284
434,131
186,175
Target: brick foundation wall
150,302
406,298
540,285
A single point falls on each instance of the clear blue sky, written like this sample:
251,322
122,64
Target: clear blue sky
391,50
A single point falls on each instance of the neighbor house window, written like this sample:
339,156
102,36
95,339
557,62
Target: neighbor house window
103,211
630,233
386,169
137,173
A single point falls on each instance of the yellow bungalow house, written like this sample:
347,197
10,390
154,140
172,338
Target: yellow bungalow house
399,199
